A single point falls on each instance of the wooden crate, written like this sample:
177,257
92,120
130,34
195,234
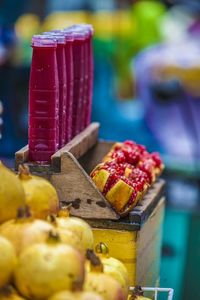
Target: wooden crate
136,239
71,180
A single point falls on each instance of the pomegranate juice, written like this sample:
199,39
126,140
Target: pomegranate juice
43,100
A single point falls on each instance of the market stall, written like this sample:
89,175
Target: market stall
101,203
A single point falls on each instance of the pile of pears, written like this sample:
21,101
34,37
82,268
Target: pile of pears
25,189
45,253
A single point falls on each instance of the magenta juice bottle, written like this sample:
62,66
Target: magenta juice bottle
83,28
60,54
87,30
78,61
78,70
89,75
86,79
69,40
43,136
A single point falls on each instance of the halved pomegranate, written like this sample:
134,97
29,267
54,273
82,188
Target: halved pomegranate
126,173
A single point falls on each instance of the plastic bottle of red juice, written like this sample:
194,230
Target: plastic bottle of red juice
78,69
87,30
90,74
43,136
83,79
86,99
60,54
69,82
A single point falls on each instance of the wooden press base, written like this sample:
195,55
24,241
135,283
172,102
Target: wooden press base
136,239
70,179
69,171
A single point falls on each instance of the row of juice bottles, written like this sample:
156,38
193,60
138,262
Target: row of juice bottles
60,89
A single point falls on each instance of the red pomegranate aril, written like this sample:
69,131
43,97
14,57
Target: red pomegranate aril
136,186
118,147
119,156
130,169
140,186
138,175
114,167
130,143
148,172
132,157
132,198
126,180
156,157
135,146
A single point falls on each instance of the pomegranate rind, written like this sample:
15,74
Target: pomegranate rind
119,195
126,173
100,178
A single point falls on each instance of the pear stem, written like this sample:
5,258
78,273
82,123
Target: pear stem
53,237
52,219
102,248
24,172
64,211
7,290
23,212
137,292
95,262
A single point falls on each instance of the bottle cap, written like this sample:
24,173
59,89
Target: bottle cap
68,35
83,27
76,33
40,40
58,36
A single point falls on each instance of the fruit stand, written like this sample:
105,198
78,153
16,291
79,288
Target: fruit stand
135,239
85,215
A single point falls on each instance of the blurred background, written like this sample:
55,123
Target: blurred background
146,88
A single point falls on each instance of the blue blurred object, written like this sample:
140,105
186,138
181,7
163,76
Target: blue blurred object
192,5
1,120
61,5
119,120
7,40
174,253
10,10
7,36
14,96
168,84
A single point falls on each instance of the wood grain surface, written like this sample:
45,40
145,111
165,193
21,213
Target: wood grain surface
139,214
78,146
69,173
